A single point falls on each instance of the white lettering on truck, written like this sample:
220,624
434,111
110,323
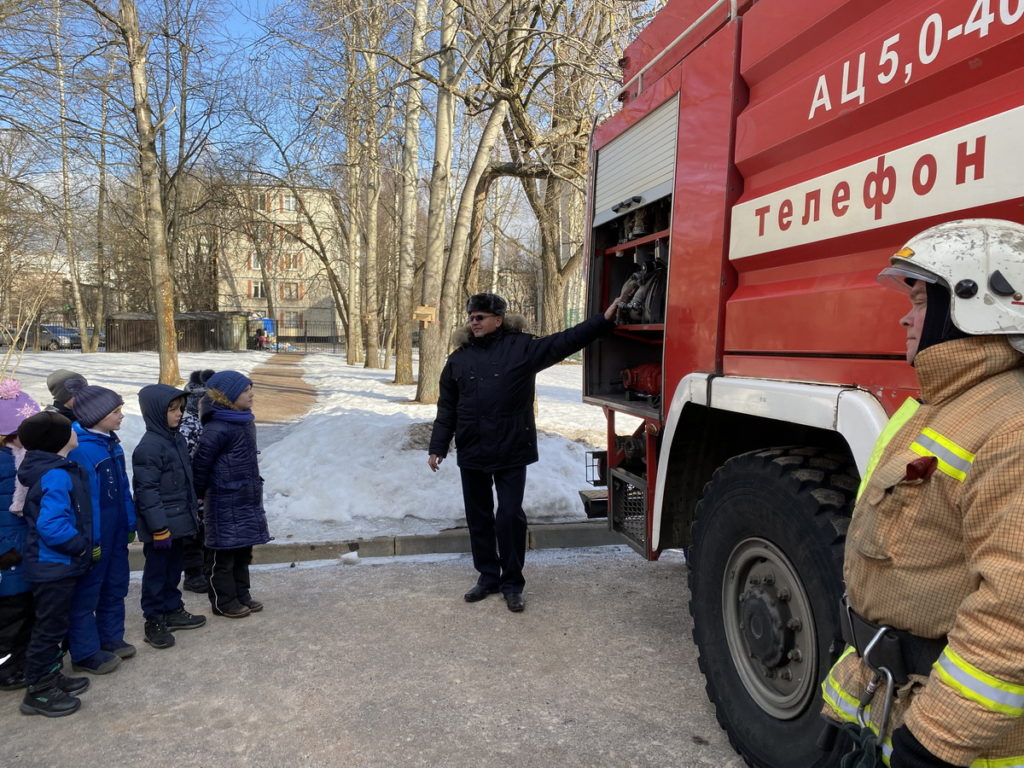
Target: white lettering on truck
920,44
973,165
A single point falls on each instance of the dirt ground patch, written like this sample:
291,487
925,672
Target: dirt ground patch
282,396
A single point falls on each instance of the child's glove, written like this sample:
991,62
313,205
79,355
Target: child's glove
131,537
162,539
97,553
9,559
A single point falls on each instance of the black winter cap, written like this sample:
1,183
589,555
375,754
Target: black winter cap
486,302
47,431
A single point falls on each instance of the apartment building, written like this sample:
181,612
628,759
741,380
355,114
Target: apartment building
269,264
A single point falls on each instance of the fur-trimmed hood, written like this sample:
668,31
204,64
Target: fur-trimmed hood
464,335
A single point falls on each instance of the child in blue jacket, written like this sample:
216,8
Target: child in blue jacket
58,551
96,636
166,506
15,591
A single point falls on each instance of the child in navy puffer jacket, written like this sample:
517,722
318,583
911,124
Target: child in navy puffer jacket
228,481
15,591
96,637
58,552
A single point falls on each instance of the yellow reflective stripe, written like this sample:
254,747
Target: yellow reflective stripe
1002,762
901,417
972,683
953,460
845,704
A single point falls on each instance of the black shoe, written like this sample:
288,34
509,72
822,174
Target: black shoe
72,685
197,584
479,592
182,619
515,602
46,698
254,606
100,663
122,650
157,633
13,681
233,610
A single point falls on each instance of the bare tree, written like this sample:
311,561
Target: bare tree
409,200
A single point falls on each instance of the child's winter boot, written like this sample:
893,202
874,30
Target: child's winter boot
47,698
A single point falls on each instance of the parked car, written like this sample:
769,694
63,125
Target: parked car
50,337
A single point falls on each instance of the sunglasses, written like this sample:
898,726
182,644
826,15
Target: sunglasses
479,318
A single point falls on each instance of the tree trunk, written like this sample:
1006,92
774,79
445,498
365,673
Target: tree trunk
354,340
453,296
65,175
371,183
409,207
101,226
433,338
163,288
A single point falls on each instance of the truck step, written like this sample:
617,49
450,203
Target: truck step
595,503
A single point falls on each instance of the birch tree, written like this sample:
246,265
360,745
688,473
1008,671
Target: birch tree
126,27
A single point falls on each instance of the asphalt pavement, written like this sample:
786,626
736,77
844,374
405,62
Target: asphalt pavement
379,662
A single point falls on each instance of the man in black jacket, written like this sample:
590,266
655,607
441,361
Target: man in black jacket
486,403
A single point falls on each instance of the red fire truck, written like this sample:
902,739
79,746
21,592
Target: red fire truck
767,159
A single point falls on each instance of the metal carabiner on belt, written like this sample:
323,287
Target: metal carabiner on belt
872,686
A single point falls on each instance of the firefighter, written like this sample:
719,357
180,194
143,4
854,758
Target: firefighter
933,672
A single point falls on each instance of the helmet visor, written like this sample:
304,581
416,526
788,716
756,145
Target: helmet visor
901,276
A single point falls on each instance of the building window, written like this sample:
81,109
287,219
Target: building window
255,262
291,319
260,201
291,261
290,291
292,234
259,289
288,203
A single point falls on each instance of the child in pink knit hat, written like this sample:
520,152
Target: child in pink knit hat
16,609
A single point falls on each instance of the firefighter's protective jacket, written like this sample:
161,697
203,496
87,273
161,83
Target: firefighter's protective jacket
943,556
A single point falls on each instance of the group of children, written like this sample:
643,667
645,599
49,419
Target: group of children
68,513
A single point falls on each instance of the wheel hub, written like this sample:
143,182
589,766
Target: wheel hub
763,618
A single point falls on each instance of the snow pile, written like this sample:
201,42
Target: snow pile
356,465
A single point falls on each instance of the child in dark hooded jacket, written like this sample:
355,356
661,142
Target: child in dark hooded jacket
166,506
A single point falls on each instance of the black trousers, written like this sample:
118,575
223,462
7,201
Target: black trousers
160,576
16,613
497,537
229,576
194,554
53,617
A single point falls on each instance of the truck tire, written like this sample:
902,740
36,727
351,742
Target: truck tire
765,582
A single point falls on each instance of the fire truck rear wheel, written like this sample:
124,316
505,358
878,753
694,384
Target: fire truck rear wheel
765,581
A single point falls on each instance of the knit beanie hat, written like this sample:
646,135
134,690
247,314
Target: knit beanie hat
15,406
197,380
92,403
57,381
231,384
46,431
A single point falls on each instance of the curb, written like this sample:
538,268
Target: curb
541,536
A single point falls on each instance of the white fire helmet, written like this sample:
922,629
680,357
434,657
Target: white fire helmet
981,262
